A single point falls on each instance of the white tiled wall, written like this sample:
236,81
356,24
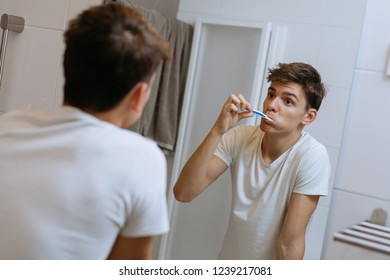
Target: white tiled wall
32,71
375,42
365,163
332,12
288,11
327,121
362,179
38,13
344,13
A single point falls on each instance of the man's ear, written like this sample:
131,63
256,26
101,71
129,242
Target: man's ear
138,97
310,116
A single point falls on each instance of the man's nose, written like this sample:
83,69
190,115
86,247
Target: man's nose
273,104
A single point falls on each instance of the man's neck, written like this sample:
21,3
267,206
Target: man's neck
273,146
115,116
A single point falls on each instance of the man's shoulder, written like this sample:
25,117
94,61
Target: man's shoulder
309,141
309,147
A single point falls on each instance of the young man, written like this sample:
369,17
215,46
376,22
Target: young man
278,170
73,183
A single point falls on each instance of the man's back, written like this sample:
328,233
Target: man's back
70,183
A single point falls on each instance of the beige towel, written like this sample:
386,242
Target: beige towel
161,117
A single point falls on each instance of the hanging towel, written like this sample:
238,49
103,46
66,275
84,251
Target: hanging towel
161,116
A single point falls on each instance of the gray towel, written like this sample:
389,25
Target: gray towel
161,117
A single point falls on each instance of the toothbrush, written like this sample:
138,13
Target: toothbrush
261,114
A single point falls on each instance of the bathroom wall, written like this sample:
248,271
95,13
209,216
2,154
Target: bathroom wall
323,33
362,177
32,70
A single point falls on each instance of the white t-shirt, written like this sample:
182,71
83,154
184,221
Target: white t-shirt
261,192
70,183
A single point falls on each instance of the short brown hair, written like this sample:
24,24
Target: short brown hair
109,49
303,74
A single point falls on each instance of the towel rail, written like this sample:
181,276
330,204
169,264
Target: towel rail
368,235
8,23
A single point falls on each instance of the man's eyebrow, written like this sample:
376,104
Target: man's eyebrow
288,93
271,88
291,94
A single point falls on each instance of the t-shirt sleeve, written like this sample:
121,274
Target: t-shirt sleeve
148,213
228,144
314,172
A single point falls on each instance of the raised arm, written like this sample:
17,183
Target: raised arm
203,168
